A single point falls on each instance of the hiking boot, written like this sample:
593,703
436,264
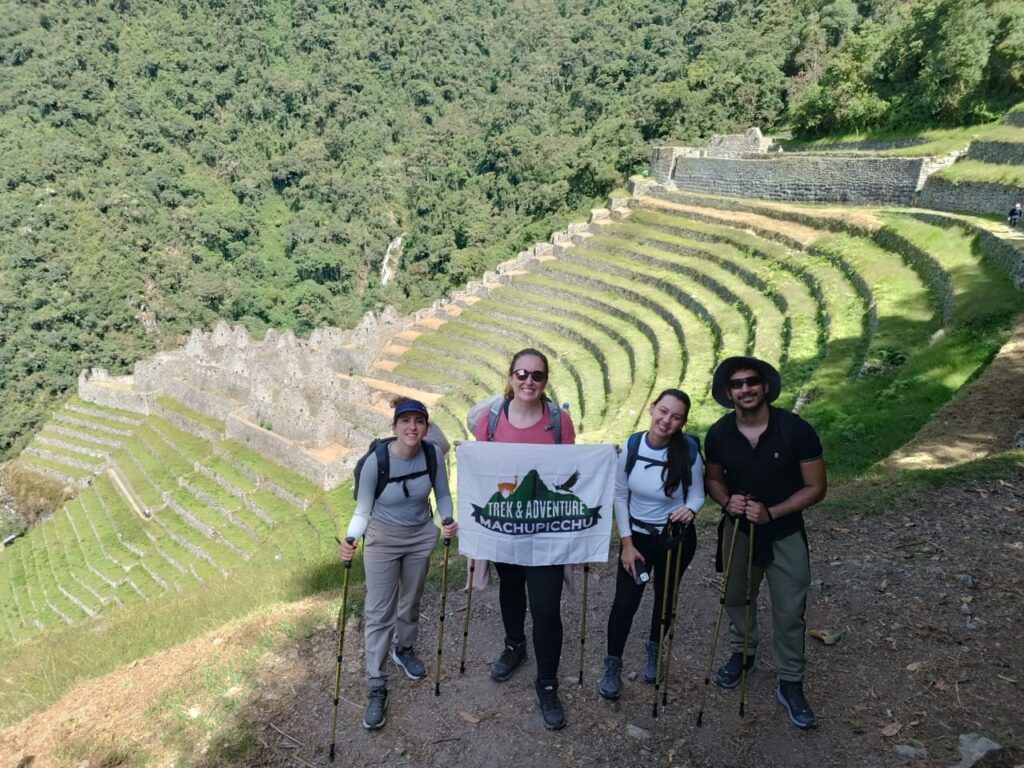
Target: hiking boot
406,659
551,713
791,695
611,683
730,673
376,709
651,663
511,657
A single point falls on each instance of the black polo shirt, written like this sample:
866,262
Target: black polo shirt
771,471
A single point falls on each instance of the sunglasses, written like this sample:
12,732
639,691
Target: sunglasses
750,381
522,374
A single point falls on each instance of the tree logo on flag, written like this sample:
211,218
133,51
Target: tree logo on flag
531,507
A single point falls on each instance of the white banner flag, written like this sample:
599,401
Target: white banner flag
535,504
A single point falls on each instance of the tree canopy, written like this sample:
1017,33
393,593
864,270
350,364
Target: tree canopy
164,164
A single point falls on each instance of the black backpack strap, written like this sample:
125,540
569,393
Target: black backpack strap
632,450
383,456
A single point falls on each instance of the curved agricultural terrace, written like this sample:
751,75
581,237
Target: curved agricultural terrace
875,319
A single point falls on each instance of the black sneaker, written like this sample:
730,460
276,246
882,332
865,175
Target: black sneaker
730,673
376,709
406,659
511,657
551,713
791,696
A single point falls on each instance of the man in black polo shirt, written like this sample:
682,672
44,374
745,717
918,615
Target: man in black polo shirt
764,466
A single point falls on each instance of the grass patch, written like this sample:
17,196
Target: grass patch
938,141
993,173
217,425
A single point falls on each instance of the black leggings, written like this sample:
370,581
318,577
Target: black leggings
544,585
628,593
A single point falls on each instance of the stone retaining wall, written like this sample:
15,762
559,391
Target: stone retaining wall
286,453
1002,152
856,180
95,385
1014,118
970,196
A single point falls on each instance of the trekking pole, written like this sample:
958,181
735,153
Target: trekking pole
661,631
677,578
341,647
583,617
465,621
444,598
746,616
718,623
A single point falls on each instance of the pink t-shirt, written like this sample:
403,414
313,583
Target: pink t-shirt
538,433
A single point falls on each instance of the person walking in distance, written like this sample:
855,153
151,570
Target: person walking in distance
1013,218
765,466
393,513
659,480
526,416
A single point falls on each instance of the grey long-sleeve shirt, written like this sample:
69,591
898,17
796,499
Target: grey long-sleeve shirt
394,507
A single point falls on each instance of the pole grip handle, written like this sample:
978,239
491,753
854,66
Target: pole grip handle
348,540
447,521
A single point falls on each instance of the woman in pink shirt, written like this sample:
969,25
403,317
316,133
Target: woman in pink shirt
526,418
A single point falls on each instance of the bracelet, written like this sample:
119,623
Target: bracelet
771,518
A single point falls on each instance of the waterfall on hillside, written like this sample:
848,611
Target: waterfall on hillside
389,268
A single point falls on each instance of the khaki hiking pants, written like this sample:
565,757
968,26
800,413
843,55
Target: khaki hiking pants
789,576
396,559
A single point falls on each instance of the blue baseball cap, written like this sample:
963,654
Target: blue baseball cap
411,406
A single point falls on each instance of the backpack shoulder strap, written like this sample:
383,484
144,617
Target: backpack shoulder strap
556,421
497,406
632,451
693,444
430,451
383,456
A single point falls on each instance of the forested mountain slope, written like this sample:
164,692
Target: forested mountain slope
166,164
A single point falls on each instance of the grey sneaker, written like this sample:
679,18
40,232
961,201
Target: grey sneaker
376,709
511,657
651,663
551,713
791,696
730,673
610,686
406,659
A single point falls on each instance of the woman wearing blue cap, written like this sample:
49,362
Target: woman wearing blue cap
399,537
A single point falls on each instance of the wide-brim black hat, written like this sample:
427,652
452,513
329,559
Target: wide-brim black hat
720,382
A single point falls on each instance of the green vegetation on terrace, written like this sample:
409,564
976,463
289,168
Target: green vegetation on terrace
222,532
995,173
921,143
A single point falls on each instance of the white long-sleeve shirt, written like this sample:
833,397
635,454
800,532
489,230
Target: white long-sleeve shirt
642,493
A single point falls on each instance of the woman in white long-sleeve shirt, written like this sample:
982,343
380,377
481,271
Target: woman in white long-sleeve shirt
662,482
399,536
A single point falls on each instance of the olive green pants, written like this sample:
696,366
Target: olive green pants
789,576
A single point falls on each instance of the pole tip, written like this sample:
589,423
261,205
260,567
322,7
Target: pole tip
700,719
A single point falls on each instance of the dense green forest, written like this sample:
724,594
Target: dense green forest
937,62
168,163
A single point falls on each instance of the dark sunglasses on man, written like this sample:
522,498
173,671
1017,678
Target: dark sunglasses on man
750,381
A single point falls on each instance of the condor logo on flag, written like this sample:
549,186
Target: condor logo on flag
535,504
